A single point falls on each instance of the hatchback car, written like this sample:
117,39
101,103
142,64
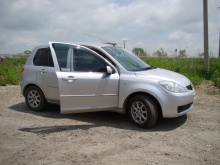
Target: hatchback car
88,78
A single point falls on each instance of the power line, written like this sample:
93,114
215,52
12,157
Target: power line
214,11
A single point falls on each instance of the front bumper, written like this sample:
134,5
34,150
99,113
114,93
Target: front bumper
177,104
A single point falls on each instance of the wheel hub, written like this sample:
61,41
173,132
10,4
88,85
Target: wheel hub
139,112
34,98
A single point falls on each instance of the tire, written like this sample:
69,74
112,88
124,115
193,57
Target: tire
35,99
142,111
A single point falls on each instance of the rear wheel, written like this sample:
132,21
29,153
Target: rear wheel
35,99
142,111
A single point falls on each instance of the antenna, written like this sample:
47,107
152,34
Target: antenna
106,42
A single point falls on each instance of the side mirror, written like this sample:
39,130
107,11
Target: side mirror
109,70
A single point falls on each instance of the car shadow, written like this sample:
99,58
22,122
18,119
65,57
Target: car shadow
94,119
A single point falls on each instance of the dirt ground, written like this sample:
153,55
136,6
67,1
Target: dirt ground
28,137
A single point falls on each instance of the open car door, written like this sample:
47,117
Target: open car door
84,83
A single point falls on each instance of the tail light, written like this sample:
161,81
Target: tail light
22,70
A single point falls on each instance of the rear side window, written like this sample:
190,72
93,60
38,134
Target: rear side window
43,57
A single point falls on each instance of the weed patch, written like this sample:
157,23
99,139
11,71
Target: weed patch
10,70
193,68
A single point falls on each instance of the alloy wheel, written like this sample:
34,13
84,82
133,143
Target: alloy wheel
139,112
34,98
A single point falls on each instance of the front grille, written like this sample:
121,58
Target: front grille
189,87
183,107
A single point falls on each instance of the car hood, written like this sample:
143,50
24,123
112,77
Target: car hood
163,74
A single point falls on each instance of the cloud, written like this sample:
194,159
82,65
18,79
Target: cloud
179,35
168,23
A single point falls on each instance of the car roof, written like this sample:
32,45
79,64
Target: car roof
86,44
98,45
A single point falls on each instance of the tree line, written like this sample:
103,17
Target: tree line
140,52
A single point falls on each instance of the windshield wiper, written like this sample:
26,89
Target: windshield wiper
149,68
142,69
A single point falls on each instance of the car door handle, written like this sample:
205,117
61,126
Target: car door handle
42,71
69,78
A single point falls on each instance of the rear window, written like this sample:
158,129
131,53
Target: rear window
43,57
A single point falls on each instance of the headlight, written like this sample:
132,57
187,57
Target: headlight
172,86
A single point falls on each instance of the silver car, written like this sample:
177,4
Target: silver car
88,78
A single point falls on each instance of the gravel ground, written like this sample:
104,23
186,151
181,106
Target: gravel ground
28,137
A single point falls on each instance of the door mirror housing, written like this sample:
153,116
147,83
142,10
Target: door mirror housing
110,70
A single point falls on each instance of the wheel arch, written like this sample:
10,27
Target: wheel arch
29,85
160,112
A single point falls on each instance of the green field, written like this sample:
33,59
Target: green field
193,68
10,70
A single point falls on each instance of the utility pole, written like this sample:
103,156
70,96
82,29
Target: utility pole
219,43
219,47
206,37
124,43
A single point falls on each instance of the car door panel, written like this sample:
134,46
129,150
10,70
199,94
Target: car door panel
46,76
85,91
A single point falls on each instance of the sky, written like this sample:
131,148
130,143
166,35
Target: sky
147,24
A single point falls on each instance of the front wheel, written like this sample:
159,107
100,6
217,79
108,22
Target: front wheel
35,99
142,111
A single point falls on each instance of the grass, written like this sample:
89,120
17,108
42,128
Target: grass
10,70
193,68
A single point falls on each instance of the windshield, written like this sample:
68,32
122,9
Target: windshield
126,59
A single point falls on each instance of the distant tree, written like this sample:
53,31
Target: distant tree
139,52
182,53
201,55
27,52
160,53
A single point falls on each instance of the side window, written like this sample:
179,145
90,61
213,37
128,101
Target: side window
103,55
47,60
78,59
43,57
87,61
38,58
